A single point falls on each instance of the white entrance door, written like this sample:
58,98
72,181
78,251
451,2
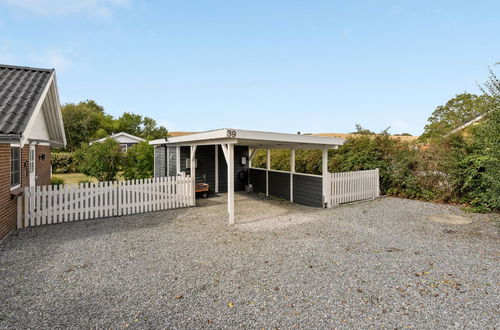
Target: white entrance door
32,165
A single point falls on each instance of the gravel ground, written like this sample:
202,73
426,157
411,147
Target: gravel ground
377,264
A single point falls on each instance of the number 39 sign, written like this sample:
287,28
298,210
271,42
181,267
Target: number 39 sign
231,133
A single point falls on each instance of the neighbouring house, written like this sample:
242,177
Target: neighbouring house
124,139
30,125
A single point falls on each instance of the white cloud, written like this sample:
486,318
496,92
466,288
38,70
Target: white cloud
99,8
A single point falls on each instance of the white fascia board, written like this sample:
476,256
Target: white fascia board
267,138
204,142
38,108
133,137
59,111
210,135
286,137
158,142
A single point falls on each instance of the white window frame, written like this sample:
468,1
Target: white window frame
18,146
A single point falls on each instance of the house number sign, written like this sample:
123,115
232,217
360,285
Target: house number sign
231,133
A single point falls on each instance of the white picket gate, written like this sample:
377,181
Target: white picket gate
354,186
73,202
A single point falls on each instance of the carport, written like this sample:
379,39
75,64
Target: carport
224,156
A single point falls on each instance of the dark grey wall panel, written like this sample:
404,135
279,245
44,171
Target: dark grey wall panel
308,190
279,184
239,185
185,151
172,161
205,171
258,180
160,161
205,156
240,151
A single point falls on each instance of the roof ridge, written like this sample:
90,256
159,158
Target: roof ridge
18,67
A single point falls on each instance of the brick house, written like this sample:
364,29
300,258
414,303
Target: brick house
30,125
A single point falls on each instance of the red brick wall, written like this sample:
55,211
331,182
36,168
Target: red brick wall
42,166
8,206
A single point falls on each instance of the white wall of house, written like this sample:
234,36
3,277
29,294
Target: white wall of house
39,129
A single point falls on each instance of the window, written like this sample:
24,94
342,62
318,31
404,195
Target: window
15,166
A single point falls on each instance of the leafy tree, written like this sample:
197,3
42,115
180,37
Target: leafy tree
100,160
82,121
151,131
492,86
139,161
361,130
456,112
129,123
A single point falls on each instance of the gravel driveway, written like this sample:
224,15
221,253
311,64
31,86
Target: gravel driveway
378,264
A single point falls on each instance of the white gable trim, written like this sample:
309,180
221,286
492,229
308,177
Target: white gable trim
59,138
117,135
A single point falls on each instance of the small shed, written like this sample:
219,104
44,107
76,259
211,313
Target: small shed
222,158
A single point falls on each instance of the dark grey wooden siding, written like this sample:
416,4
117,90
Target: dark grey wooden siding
308,190
185,151
172,161
258,180
205,171
279,184
160,162
205,156
239,185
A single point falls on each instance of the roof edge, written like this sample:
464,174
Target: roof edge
18,67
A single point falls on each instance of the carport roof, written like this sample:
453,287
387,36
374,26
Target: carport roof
252,139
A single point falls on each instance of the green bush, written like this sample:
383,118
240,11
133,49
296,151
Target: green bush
55,181
63,162
139,161
100,160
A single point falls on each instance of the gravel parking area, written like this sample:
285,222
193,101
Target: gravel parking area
377,264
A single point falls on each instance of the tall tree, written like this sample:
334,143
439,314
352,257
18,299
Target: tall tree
456,112
82,121
129,123
151,130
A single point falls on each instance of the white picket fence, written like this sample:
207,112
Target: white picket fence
354,186
73,202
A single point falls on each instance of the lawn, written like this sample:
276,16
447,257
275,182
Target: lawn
70,178
73,177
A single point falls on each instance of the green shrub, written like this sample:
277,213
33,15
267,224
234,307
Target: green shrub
139,161
63,162
55,181
100,160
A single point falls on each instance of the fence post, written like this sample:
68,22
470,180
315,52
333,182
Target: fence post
117,199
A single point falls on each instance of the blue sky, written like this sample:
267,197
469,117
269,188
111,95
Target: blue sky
309,66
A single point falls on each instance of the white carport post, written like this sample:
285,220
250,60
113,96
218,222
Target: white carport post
268,168
216,168
228,150
292,171
326,178
193,172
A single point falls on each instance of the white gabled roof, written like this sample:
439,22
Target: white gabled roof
129,138
253,139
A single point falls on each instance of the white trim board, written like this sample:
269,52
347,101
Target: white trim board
254,139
